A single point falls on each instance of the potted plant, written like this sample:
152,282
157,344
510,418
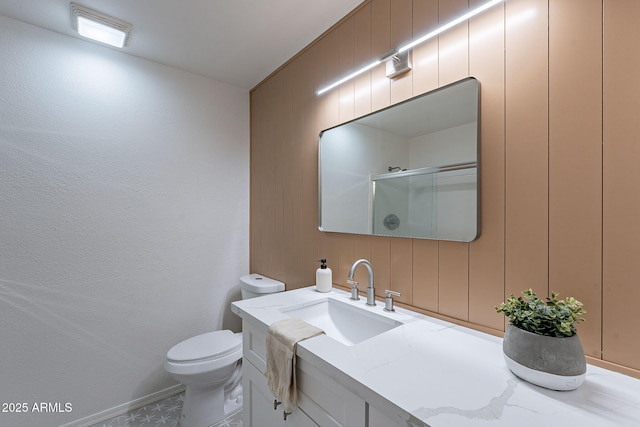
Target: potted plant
541,344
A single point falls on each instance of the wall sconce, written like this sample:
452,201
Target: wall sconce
99,27
397,60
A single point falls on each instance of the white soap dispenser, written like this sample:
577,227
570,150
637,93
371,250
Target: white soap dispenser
324,281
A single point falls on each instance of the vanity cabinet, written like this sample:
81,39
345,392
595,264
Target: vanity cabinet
259,410
321,401
327,402
392,379
258,400
377,418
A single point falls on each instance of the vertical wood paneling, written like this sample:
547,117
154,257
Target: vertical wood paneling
255,225
453,279
362,56
527,176
381,261
453,257
309,161
347,90
540,68
257,230
326,69
285,161
453,51
401,22
401,32
486,255
425,56
278,263
621,212
402,269
361,250
340,269
425,78
297,253
269,197
380,44
425,274
575,159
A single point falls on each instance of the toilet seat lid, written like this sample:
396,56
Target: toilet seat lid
211,345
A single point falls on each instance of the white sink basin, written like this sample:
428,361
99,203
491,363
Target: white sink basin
344,322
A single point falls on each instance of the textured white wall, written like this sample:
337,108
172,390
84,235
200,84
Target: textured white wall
124,191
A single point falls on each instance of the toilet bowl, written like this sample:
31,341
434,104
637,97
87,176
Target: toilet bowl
206,364
210,365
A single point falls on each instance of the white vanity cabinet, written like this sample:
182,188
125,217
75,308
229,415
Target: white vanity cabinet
321,401
377,418
410,375
258,401
327,402
259,410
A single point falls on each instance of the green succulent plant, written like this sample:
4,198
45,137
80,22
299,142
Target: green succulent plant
553,317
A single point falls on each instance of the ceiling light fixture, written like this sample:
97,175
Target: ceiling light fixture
389,56
99,27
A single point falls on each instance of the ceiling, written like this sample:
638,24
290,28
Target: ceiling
239,42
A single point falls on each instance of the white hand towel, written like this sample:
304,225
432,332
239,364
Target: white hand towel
282,338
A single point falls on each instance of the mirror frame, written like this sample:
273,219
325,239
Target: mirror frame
426,94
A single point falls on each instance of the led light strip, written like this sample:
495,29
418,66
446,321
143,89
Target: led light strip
414,43
350,76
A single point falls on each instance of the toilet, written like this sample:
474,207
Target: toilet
210,365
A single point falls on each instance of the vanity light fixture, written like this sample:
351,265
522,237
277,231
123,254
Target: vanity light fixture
402,51
99,27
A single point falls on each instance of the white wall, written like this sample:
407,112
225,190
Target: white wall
124,191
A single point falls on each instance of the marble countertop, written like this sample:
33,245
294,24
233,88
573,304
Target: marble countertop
435,373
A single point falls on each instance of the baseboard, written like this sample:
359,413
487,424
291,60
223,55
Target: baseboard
126,407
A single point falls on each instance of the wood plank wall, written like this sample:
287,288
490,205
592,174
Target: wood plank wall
560,204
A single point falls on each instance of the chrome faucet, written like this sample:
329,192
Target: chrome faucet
371,292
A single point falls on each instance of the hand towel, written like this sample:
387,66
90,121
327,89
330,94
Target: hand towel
282,338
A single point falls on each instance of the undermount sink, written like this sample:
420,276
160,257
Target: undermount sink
344,322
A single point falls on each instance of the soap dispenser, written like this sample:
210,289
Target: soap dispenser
324,281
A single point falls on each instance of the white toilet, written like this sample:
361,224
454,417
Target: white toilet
210,365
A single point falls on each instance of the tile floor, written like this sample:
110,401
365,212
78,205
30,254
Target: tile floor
164,413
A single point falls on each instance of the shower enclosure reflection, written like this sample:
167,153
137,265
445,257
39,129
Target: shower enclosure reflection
410,170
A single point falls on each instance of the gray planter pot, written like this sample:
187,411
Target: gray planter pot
550,362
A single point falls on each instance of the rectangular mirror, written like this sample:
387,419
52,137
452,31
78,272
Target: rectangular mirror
410,170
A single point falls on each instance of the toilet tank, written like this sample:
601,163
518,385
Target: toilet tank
255,285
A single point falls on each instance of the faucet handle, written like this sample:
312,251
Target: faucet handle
354,289
388,300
